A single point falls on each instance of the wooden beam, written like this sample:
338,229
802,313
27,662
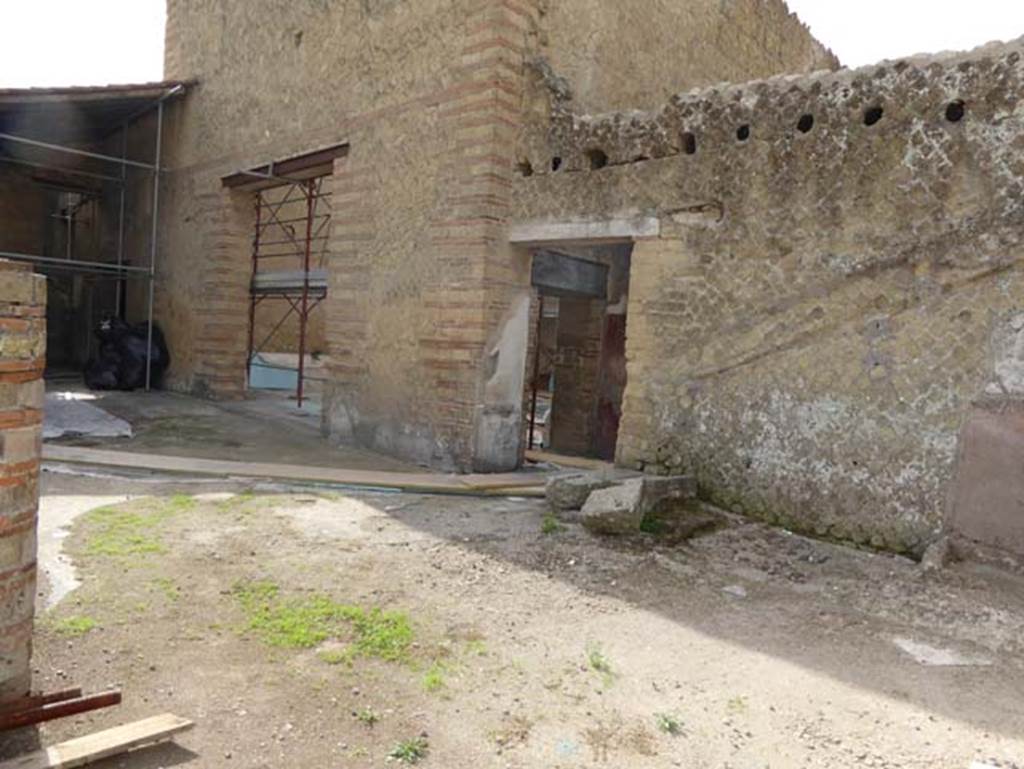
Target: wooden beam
36,700
548,233
82,751
60,709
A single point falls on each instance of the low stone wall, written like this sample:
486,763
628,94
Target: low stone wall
22,349
836,282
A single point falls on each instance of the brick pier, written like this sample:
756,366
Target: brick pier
22,354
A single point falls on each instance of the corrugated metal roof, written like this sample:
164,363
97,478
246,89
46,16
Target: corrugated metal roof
73,91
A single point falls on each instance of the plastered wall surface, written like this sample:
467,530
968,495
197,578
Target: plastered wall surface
432,98
835,280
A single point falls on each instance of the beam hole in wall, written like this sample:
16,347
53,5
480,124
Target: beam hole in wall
805,124
872,115
689,143
598,159
525,168
955,111
556,163
743,133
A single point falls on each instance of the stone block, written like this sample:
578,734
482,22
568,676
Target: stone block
662,492
938,555
615,510
571,492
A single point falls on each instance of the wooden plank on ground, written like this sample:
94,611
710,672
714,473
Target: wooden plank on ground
82,751
530,483
582,463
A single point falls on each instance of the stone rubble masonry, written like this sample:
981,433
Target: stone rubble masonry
834,287
22,350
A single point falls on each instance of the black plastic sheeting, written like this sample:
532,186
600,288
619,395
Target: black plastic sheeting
121,362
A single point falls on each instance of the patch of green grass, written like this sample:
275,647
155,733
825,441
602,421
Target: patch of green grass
335,656
433,679
180,503
166,586
302,623
367,717
73,627
668,724
410,751
550,525
132,528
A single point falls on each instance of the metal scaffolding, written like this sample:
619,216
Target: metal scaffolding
116,270
292,222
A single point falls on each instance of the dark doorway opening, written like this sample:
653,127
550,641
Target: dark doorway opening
579,350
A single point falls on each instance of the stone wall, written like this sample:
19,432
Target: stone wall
22,349
432,97
836,277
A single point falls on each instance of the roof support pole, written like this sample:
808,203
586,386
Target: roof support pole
72,151
304,311
152,241
119,288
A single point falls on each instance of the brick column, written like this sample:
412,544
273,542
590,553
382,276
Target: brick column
223,337
22,349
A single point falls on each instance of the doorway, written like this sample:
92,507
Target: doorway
579,348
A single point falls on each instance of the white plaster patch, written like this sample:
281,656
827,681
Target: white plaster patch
934,656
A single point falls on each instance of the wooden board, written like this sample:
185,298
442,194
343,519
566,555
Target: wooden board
583,463
82,751
524,484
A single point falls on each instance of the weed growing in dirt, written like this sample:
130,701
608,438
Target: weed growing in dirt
668,724
433,679
653,526
410,751
598,661
166,586
601,664
72,627
302,623
367,717
476,647
737,705
550,525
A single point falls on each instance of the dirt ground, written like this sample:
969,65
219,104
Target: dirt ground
512,642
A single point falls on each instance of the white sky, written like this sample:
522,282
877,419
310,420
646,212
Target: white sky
865,31
95,42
